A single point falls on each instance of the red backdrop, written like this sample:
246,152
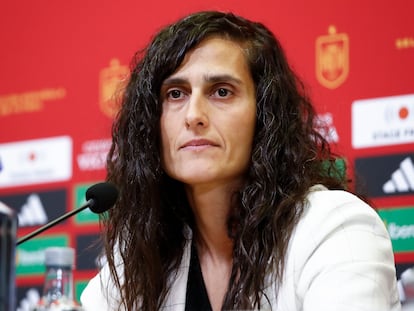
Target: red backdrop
60,62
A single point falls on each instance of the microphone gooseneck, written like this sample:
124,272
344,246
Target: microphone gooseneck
100,197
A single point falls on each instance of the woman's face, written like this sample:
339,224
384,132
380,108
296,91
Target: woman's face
208,115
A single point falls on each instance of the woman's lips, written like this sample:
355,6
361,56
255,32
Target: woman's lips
198,143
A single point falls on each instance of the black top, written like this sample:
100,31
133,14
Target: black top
196,298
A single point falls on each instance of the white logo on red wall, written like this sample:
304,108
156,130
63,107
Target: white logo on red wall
36,161
383,121
93,155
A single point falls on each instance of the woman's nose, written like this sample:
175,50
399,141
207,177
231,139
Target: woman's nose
197,111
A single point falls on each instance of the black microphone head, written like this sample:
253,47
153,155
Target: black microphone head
104,196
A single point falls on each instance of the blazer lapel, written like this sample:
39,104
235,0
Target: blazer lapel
175,300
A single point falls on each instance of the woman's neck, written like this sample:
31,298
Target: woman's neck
211,208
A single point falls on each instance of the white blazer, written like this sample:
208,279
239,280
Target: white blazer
339,258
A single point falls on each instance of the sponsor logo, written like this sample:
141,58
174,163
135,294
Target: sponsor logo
37,208
36,161
32,212
332,58
30,101
93,155
30,256
385,175
400,227
86,216
383,121
326,127
402,179
111,81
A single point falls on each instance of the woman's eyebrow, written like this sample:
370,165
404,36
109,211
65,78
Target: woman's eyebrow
215,78
174,80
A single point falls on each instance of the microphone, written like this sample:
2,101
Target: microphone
100,198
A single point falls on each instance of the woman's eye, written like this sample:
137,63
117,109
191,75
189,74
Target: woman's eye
174,94
222,92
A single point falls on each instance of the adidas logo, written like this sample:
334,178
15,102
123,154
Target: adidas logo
32,212
402,180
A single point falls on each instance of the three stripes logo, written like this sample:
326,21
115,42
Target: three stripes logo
402,179
384,176
37,208
32,213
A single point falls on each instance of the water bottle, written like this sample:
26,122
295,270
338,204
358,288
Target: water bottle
58,285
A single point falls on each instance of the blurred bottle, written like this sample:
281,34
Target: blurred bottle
58,287
8,227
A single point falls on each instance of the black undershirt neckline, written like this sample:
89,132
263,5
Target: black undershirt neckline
196,297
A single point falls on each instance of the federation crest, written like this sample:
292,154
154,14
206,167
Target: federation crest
332,58
111,82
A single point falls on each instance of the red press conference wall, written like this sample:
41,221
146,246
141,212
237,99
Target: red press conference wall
61,61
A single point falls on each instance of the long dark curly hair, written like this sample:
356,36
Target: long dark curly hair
288,157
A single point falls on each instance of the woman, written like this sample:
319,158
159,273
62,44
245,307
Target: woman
224,200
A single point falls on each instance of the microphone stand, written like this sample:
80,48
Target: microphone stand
89,203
